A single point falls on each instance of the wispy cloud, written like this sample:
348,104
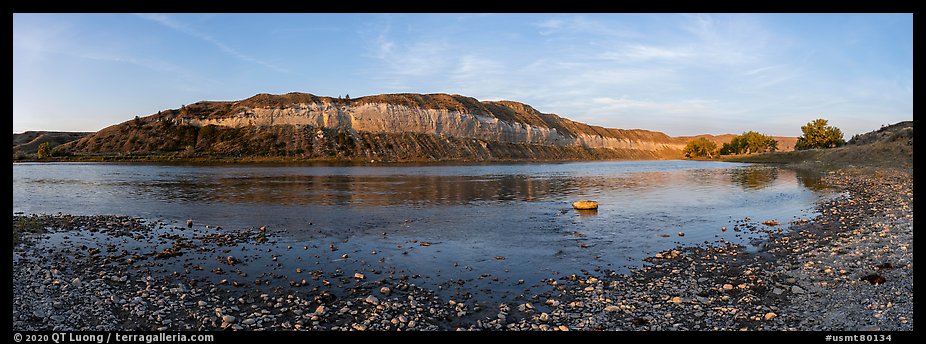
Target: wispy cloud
640,52
54,41
763,69
178,26
583,25
685,106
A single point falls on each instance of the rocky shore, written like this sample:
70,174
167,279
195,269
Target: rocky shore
849,268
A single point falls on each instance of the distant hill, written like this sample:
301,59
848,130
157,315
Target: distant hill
27,143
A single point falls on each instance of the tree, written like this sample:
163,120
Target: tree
817,134
748,143
700,148
44,150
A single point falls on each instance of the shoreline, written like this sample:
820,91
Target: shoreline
691,288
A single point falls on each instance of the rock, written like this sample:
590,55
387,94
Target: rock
676,300
797,290
544,317
372,300
585,205
76,282
201,303
681,233
359,327
874,279
228,319
770,316
249,321
189,223
385,291
38,313
231,260
778,291
358,276
728,287
612,309
320,310
424,243
790,280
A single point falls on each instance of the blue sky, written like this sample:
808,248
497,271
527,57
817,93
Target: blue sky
682,74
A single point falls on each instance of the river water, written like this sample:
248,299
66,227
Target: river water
470,214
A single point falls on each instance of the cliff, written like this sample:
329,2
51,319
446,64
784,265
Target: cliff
390,127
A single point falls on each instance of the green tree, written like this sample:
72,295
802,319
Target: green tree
817,134
700,148
44,150
748,143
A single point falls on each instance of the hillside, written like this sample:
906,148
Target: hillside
391,127
27,143
890,146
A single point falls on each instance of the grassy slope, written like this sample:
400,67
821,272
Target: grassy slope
898,154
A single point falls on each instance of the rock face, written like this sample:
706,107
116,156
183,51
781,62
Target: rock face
393,127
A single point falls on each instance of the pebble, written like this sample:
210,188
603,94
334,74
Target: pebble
385,291
228,319
612,309
372,300
770,316
728,287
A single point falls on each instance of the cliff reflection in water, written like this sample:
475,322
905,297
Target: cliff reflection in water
428,190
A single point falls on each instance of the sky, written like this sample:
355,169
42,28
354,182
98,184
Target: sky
681,74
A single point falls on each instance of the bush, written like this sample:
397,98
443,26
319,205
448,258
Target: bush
817,134
748,143
700,148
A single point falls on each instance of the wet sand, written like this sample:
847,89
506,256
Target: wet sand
850,268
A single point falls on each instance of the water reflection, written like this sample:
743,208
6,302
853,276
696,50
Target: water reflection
306,186
755,177
811,179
